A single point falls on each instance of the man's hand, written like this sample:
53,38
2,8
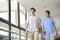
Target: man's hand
26,29
39,30
27,32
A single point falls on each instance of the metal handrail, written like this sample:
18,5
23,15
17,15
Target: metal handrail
7,22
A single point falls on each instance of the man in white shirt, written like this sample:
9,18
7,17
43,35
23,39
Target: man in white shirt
33,25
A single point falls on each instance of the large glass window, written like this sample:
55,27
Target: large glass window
23,35
28,14
23,15
13,17
15,30
22,20
4,34
14,12
4,15
29,39
22,9
4,26
4,9
14,33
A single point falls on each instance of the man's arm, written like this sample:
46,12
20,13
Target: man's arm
26,27
39,27
27,23
42,28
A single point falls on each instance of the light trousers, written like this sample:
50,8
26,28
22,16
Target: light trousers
35,36
50,37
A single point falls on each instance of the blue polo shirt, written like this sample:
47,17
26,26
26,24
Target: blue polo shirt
48,25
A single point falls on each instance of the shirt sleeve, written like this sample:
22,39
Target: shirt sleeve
53,21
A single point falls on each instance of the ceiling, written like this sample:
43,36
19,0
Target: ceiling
4,6
42,5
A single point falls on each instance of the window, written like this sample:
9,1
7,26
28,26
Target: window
23,35
22,20
13,17
14,33
4,34
4,9
22,9
14,12
2,0
14,36
15,30
22,16
28,14
4,15
4,26
29,39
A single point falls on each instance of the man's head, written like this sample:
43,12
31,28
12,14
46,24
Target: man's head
47,13
33,10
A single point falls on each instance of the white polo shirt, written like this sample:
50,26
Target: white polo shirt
33,23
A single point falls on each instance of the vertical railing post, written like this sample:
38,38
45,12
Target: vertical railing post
9,3
19,20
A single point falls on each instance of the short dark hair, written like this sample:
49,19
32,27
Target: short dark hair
33,9
48,11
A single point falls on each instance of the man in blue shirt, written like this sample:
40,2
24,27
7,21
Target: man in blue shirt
48,25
